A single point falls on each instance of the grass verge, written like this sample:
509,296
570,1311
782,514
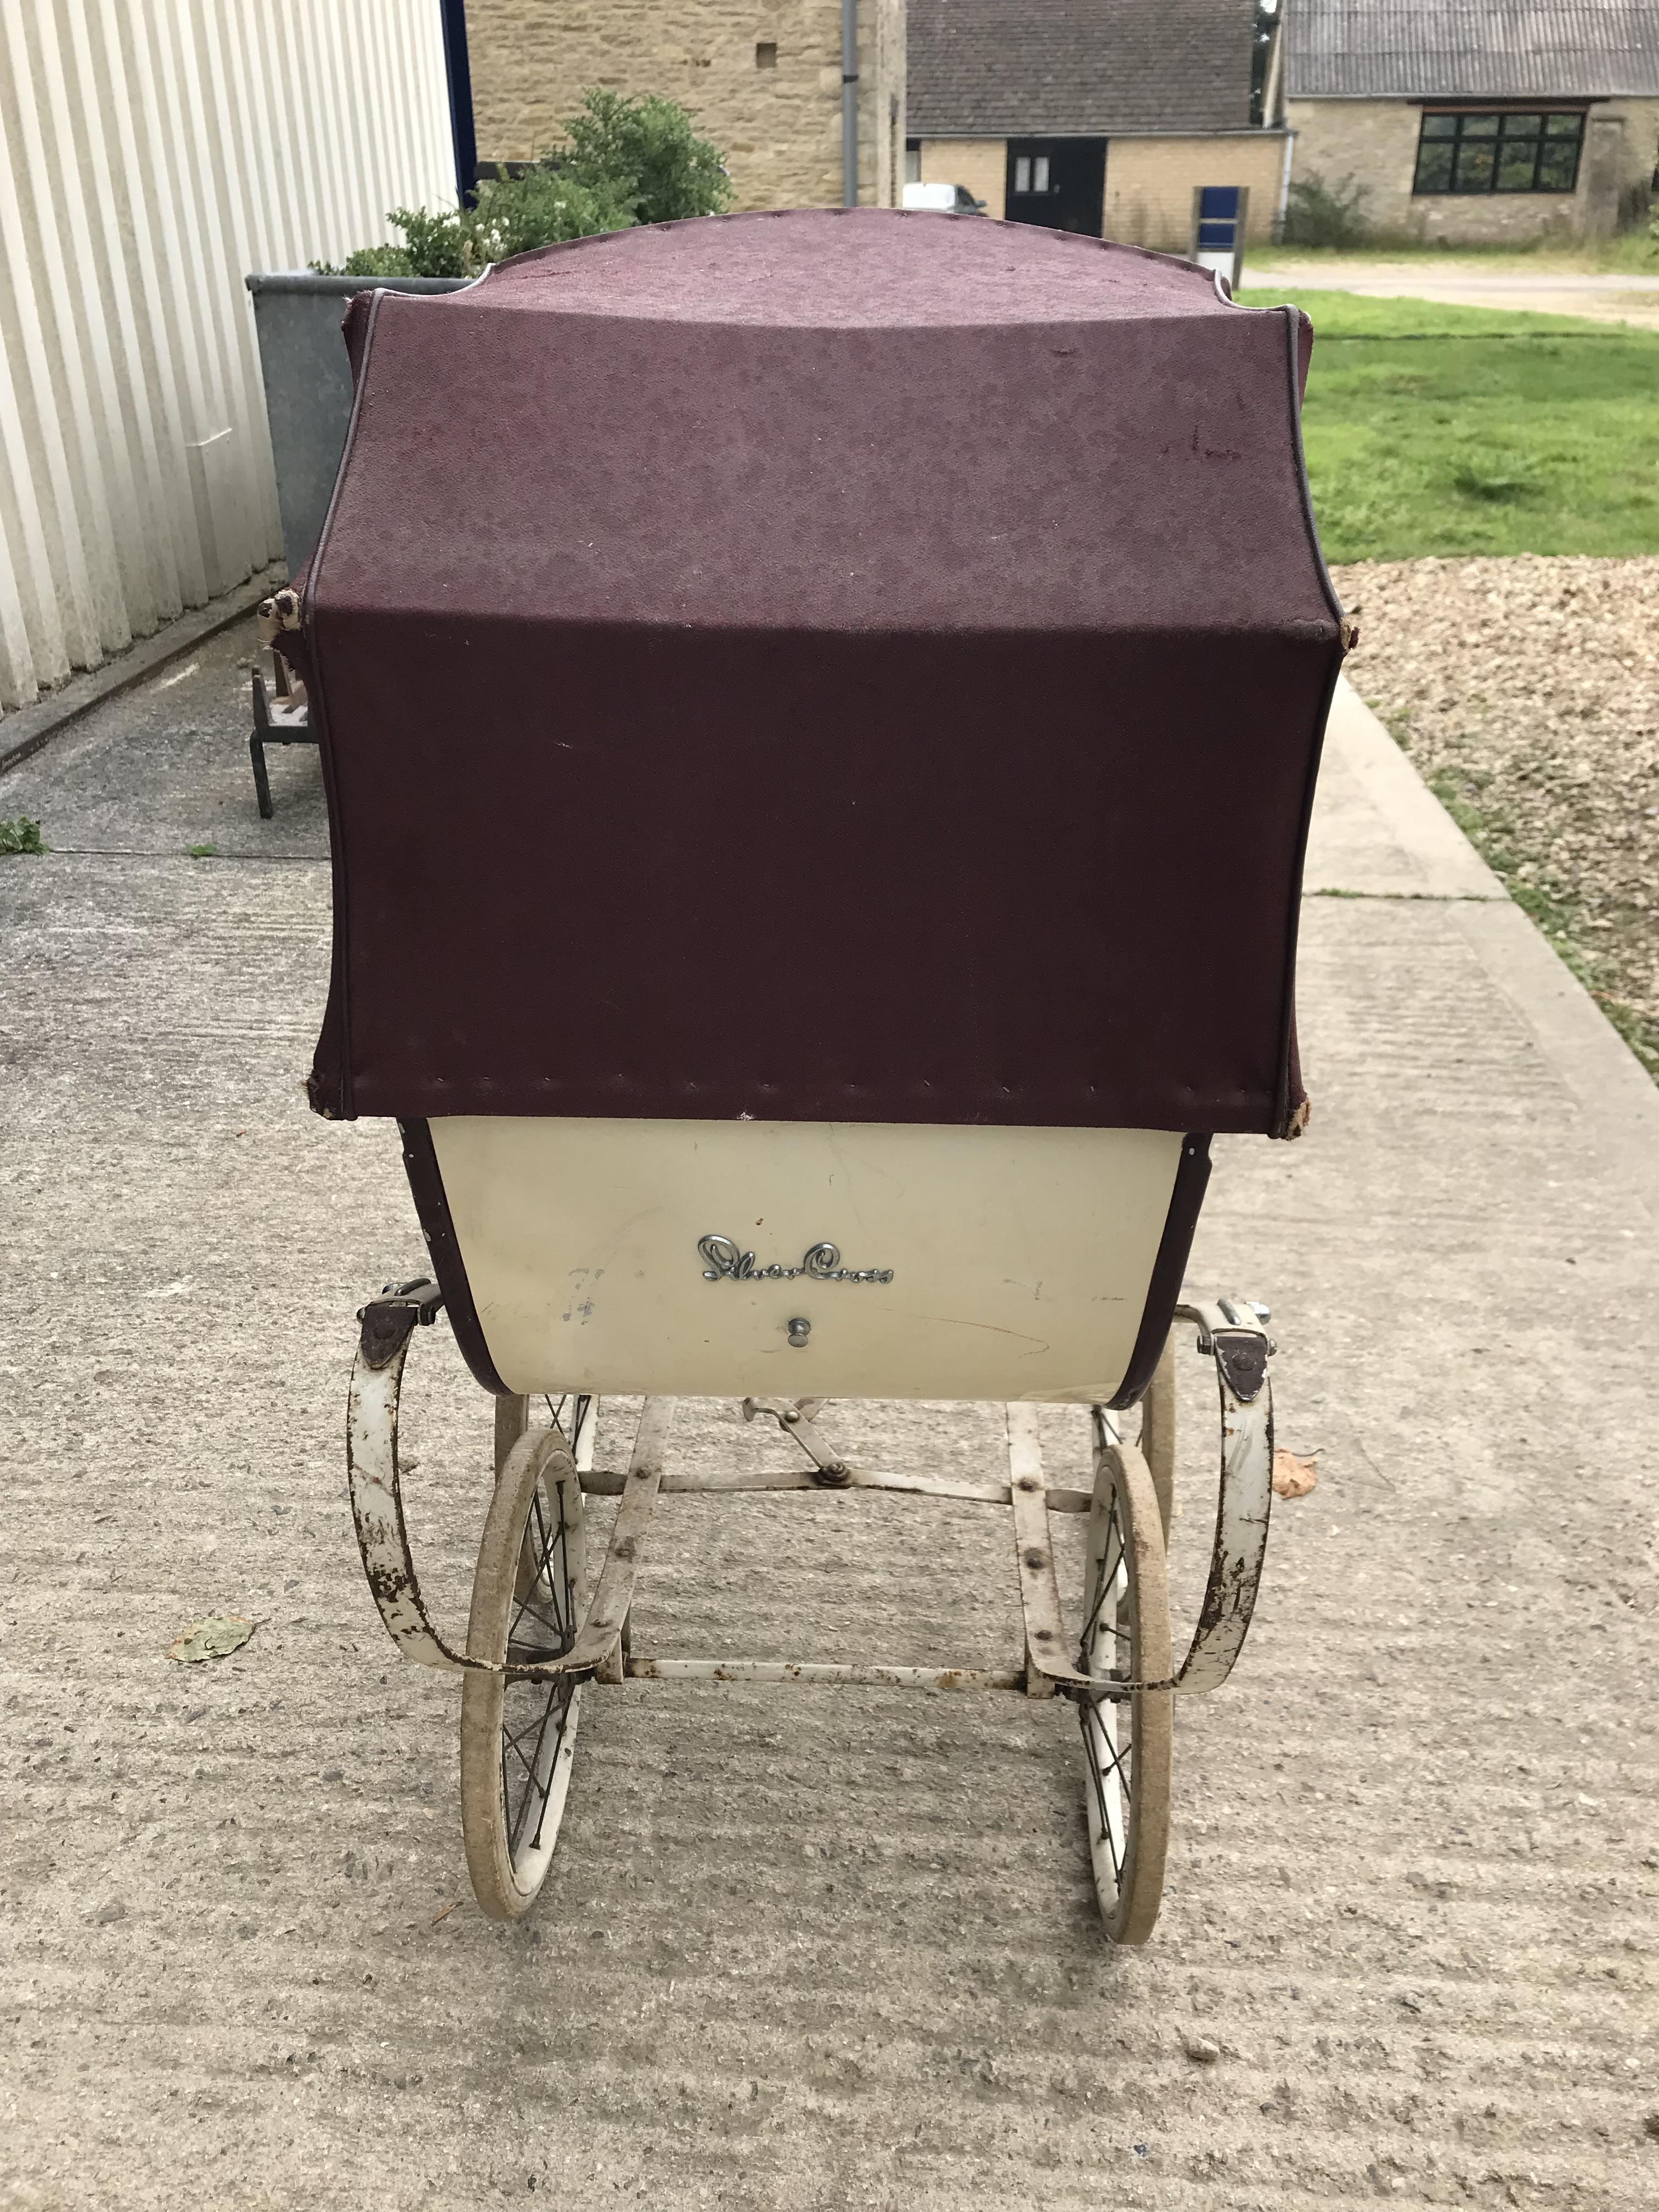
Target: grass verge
1632,254
1557,918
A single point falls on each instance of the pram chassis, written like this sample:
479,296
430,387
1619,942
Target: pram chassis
760,586
540,1629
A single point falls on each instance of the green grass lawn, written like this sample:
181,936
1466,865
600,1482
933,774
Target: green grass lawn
1445,430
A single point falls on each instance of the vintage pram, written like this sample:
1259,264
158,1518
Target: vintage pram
819,714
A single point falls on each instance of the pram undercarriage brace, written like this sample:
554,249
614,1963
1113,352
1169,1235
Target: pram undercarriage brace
542,1627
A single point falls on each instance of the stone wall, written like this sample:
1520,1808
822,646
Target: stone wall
762,78
981,164
1150,184
1375,142
1631,154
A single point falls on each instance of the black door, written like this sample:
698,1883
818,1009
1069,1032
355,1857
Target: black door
1058,182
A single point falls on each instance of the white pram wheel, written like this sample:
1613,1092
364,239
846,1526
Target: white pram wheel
518,1736
1126,1740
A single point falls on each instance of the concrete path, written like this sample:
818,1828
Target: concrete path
1611,297
825,1949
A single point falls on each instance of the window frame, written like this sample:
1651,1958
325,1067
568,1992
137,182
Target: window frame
1499,138
1033,165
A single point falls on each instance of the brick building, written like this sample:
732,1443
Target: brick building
762,78
1123,109
1474,121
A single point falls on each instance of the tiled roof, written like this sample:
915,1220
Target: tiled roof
1478,49
1017,69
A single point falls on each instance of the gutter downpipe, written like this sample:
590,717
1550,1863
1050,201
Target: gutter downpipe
849,103
1272,113
1284,189
458,70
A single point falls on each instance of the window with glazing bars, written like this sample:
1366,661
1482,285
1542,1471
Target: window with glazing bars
1463,152
1031,173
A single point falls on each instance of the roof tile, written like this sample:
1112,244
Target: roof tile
1019,69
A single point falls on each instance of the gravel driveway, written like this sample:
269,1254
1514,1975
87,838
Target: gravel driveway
1527,692
1602,296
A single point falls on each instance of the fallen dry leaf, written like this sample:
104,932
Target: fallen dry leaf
1294,1477
444,1911
212,1638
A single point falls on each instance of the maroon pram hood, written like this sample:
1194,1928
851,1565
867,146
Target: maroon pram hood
855,666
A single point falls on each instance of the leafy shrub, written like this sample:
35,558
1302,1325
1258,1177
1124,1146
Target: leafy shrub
516,214
372,260
647,150
630,160
20,835
511,216
1321,214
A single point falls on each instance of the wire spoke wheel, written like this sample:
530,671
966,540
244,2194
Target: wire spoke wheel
519,1736
1126,1740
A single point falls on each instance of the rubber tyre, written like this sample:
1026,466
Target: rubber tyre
518,1737
1127,1742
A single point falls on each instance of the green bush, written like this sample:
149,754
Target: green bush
647,151
516,214
1318,214
630,160
20,835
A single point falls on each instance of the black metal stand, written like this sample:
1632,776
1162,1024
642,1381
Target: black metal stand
281,721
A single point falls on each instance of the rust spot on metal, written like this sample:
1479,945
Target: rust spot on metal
387,1584
280,612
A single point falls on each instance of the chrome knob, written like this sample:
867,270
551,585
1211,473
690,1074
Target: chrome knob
800,1330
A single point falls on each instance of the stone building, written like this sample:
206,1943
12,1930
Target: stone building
762,78
1476,121
1124,109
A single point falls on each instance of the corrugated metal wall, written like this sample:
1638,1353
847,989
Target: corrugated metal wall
152,153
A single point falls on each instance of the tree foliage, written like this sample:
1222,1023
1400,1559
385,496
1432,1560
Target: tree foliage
630,159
